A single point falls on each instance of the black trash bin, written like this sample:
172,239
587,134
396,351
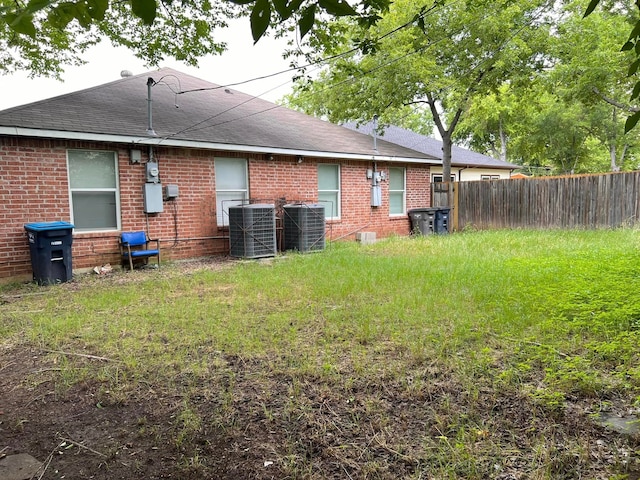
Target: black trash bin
442,220
422,221
427,221
50,247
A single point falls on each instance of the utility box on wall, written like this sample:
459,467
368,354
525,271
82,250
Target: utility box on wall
171,192
153,198
376,195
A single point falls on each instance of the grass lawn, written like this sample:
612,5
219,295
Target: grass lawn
476,355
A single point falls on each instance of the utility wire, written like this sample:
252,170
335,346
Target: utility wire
352,79
318,62
312,64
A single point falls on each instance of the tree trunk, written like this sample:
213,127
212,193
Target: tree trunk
446,156
446,134
503,143
612,144
612,154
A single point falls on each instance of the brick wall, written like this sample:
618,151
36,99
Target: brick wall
34,188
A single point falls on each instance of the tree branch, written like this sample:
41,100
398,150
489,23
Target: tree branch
613,102
435,114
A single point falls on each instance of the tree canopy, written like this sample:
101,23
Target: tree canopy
631,45
570,117
439,60
41,36
532,83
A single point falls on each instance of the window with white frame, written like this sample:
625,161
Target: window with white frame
329,190
397,195
489,177
93,188
232,185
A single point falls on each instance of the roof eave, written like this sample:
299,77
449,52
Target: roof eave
507,166
170,142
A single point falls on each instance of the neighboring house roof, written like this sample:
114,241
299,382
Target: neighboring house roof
460,157
191,112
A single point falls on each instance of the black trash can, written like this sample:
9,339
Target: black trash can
423,221
442,220
50,247
427,221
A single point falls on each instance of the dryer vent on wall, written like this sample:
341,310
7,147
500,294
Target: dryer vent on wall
304,227
252,230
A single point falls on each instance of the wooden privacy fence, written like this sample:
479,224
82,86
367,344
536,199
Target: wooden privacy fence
583,201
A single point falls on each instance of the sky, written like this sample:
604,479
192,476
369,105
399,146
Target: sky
242,61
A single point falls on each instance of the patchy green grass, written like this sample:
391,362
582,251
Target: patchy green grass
472,355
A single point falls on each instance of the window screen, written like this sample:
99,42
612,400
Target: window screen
232,186
329,190
396,191
93,185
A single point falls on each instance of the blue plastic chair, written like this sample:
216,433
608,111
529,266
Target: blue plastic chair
135,245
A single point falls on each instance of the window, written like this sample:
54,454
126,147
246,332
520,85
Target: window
489,177
93,187
396,191
232,186
329,190
438,178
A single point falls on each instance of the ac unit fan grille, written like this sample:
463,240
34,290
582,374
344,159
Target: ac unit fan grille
252,231
304,227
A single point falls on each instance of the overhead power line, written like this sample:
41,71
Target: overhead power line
311,64
199,125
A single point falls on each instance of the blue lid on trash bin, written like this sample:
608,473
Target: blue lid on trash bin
42,226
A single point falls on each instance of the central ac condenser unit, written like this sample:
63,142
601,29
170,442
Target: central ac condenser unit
304,227
252,231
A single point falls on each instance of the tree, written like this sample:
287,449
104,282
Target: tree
490,122
571,117
631,45
557,134
591,68
441,59
41,36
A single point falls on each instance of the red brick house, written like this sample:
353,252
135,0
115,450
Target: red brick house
168,153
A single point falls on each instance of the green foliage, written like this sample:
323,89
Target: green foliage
631,45
549,400
59,33
434,63
569,117
42,36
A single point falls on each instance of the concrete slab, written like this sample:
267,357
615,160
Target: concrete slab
627,426
366,238
19,467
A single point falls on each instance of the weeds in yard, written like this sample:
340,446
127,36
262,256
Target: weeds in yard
458,356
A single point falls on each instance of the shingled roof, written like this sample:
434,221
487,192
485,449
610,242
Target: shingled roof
191,112
460,157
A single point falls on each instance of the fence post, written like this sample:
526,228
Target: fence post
454,206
